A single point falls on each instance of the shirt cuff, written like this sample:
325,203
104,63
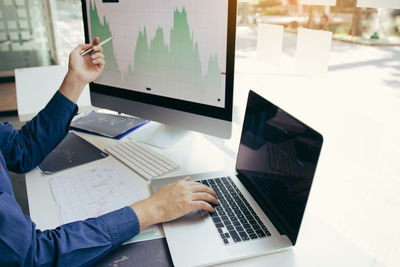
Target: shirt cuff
123,224
61,106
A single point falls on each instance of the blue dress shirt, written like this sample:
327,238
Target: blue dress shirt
81,243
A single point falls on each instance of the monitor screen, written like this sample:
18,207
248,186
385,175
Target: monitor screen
277,159
174,54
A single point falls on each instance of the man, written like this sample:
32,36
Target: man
81,243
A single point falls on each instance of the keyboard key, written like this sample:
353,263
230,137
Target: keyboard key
227,222
220,230
249,231
260,233
244,236
230,228
222,236
226,241
268,233
253,236
235,236
236,223
252,222
216,219
220,225
236,212
246,225
239,228
205,182
239,213
244,209
227,235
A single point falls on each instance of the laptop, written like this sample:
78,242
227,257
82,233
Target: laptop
262,201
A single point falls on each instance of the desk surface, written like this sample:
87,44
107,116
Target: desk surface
318,244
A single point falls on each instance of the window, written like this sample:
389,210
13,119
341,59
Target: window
351,95
25,35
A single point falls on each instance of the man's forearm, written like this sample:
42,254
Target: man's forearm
72,87
145,212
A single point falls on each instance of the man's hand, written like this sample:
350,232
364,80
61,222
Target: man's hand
82,69
173,201
87,68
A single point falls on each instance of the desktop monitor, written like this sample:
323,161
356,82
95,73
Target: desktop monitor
169,61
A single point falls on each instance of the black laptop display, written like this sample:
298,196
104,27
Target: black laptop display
277,159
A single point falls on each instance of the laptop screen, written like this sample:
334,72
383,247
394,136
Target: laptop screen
277,158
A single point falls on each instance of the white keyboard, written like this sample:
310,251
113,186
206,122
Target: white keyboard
142,160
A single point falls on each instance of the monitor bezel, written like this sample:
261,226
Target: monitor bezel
224,113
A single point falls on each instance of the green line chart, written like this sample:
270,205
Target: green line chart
167,57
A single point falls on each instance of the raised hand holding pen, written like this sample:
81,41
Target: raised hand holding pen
82,69
100,44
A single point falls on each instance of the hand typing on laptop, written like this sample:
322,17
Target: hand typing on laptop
173,201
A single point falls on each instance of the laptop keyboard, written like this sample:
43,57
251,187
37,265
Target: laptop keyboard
234,218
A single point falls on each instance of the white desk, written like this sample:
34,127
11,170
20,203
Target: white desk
42,206
318,245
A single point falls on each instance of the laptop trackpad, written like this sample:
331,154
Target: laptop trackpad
191,218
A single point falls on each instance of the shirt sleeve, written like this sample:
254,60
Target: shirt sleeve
81,243
25,149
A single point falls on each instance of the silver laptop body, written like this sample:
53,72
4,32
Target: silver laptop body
267,193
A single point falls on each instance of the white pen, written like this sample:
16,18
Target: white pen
100,44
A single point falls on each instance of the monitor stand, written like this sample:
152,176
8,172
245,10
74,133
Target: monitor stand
159,135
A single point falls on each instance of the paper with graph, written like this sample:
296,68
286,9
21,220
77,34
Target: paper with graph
90,193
